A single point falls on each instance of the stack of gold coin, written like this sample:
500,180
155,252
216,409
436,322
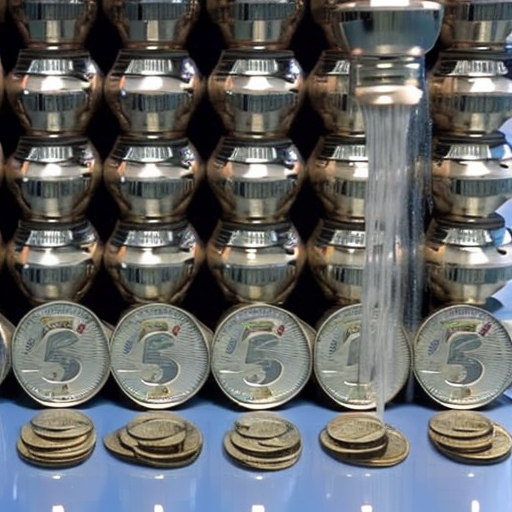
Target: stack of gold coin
157,439
364,440
469,437
263,441
57,438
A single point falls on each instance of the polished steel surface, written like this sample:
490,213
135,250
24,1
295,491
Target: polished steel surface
260,24
256,263
152,24
255,180
471,177
336,254
153,179
153,92
331,94
153,262
54,261
471,91
53,178
54,92
467,262
479,24
53,24
338,171
257,94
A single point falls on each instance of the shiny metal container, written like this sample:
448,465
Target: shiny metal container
54,261
53,24
257,94
336,254
338,171
255,180
153,92
467,262
256,263
53,178
481,24
471,177
54,92
260,24
153,262
331,94
153,179
471,91
322,13
152,24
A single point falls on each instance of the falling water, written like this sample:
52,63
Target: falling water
388,240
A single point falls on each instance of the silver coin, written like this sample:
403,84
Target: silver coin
261,357
160,355
336,361
60,354
6,330
463,357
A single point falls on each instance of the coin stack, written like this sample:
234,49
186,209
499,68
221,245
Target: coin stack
54,89
469,437
153,170
57,438
161,440
264,442
338,170
469,249
257,87
364,440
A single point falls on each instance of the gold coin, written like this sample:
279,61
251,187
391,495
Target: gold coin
58,420
70,453
262,425
264,463
500,450
473,444
267,447
460,424
33,440
354,429
113,444
167,464
126,439
27,456
341,451
168,444
156,429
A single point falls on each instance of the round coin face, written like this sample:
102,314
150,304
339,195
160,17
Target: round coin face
6,330
356,429
261,356
160,355
336,361
60,354
460,424
463,357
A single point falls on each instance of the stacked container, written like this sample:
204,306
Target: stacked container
54,89
257,87
153,171
338,170
469,249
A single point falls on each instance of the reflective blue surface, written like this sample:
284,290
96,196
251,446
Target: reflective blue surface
425,482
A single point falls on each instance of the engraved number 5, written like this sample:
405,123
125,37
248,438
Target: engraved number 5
462,344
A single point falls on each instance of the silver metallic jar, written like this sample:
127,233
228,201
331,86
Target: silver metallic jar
467,262
153,179
54,261
54,92
471,91
257,94
471,177
262,25
481,24
338,171
152,24
153,262
153,92
332,97
255,180
336,255
53,178
256,263
53,24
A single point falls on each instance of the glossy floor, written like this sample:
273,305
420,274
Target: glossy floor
425,482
